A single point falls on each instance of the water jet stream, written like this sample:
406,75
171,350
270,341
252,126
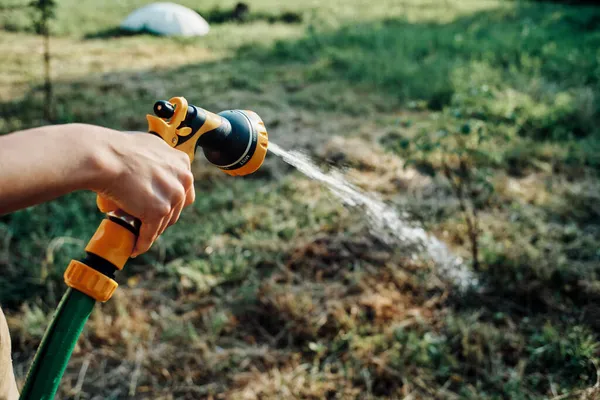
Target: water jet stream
384,221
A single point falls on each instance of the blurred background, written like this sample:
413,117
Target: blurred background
478,120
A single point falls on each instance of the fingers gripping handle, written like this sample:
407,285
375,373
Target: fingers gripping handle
167,128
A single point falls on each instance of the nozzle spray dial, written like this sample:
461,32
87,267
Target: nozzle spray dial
235,141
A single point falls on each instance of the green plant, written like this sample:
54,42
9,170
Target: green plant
464,155
44,11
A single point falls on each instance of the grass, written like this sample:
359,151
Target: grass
268,287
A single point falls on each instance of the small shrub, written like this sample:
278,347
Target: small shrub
464,155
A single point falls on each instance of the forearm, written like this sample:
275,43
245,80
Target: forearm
40,164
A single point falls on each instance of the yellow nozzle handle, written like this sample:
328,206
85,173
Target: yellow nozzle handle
105,205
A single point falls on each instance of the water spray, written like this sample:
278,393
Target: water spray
384,221
235,141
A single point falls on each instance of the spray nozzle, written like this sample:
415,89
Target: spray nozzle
236,141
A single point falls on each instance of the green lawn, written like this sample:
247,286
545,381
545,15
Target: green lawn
268,287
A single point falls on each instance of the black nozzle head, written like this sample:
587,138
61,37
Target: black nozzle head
239,145
164,109
230,143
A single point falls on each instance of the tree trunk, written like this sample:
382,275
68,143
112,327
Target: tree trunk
48,106
474,234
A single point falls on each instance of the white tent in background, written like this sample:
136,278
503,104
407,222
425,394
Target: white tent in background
167,19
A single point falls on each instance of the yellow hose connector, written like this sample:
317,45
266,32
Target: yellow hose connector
89,281
112,242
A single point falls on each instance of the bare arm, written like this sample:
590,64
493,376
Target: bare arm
41,164
142,174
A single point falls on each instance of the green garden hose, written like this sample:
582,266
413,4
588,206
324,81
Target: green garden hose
57,345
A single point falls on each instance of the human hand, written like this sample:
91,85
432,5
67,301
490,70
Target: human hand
144,177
